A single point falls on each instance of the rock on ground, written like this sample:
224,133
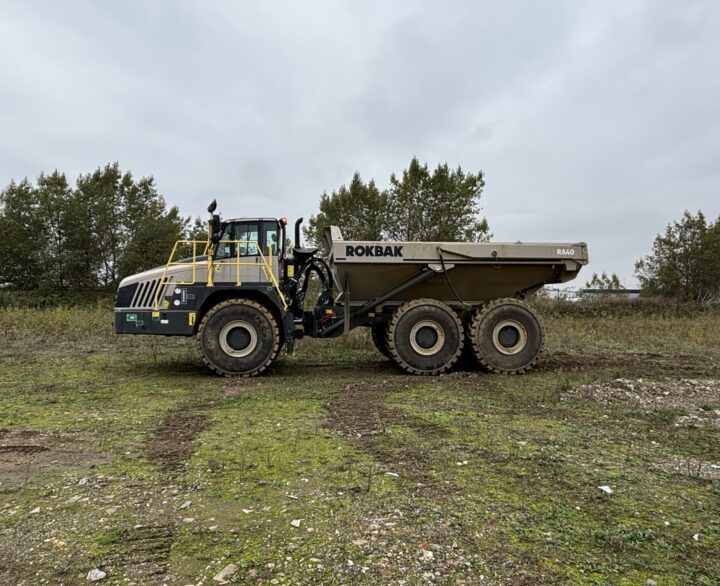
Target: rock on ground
94,575
226,573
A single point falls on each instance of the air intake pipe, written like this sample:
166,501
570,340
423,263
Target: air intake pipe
297,232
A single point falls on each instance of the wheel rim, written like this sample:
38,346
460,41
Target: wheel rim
427,337
238,338
509,337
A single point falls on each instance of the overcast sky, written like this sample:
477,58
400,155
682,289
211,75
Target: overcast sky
594,121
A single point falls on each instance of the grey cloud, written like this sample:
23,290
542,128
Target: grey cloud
593,121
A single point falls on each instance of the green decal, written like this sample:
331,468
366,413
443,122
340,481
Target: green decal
131,317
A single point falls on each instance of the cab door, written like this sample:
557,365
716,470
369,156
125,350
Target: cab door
238,244
247,235
242,242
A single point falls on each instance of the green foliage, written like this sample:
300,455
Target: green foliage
685,261
420,205
21,236
198,230
442,205
55,238
611,283
359,210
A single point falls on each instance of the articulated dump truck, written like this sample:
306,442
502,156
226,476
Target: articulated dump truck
427,304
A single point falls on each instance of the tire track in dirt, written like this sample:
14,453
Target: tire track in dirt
173,441
359,413
646,363
28,455
143,552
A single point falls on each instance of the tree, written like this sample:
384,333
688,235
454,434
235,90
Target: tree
52,197
21,230
359,210
197,230
55,238
442,205
152,240
611,283
685,261
131,229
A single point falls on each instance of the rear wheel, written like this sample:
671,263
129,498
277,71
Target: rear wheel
506,336
379,338
425,336
238,337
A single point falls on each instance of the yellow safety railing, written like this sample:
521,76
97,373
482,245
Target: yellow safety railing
264,262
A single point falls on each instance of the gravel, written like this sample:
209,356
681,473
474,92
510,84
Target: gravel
699,399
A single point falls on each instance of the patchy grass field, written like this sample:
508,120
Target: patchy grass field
123,454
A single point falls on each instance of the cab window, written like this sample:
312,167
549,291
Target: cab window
226,249
248,236
270,237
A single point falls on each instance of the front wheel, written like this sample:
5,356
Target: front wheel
238,337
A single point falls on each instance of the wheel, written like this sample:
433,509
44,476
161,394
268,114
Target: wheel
425,336
238,337
506,336
379,338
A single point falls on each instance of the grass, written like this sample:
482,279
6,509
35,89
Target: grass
463,478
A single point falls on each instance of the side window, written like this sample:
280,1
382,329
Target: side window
226,249
270,238
248,236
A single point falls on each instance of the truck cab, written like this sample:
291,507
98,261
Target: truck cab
238,254
245,239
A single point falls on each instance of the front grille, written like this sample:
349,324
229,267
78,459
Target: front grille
145,293
144,296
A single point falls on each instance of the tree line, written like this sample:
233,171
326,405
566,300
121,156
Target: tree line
57,237
442,204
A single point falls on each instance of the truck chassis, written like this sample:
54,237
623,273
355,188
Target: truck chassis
427,304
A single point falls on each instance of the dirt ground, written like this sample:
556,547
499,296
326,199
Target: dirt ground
124,456
696,401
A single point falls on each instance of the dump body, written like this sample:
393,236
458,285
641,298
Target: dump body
473,271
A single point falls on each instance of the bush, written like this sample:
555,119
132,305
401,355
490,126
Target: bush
617,307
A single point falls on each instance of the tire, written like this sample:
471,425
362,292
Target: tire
425,337
506,336
379,338
238,337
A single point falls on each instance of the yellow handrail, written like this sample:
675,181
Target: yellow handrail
264,264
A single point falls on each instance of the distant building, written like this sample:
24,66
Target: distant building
610,293
561,293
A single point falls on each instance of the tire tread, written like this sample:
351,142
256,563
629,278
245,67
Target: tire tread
395,320
239,301
479,315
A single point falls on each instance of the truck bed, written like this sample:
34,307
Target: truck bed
475,271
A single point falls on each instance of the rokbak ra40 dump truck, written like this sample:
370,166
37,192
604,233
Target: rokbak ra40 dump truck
241,294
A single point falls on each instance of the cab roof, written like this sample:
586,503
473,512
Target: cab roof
251,220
